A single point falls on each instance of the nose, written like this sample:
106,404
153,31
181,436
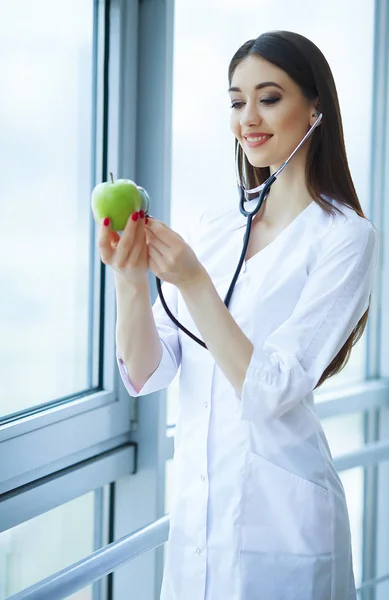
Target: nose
250,115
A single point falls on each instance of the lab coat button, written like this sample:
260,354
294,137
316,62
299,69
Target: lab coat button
205,404
202,478
198,551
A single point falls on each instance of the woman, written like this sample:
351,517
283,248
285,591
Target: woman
258,509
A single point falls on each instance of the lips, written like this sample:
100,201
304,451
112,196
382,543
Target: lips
253,140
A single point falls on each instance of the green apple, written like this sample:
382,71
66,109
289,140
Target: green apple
116,200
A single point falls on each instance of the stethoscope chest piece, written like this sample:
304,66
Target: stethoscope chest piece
145,199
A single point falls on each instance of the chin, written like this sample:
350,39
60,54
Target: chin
272,162
258,162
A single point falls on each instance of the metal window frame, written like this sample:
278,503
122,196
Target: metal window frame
42,495
151,54
377,335
53,437
64,486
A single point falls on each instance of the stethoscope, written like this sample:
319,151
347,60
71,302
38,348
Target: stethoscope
263,191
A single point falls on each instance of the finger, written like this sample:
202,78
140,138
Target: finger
155,253
107,240
156,241
161,231
139,245
154,267
128,238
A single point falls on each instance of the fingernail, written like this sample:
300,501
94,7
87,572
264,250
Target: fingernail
106,222
146,220
142,214
135,216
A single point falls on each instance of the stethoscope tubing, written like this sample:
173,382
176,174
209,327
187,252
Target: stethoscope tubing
263,190
250,215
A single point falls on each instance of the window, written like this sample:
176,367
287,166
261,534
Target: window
42,546
45,260
65,419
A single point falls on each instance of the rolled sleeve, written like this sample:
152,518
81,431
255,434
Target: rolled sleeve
289,364
165,372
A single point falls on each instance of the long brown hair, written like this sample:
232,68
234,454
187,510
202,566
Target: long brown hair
327,171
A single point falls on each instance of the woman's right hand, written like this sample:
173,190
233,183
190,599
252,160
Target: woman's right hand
126,254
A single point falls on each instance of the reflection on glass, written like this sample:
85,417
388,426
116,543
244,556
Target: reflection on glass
46,544
201,135
45,154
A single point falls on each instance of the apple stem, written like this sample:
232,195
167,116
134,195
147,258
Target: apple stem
111,177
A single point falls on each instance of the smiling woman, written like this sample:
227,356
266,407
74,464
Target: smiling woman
268,110
252,464
269,124
203,141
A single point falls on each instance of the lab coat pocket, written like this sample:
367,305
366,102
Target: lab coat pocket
286,577
284,512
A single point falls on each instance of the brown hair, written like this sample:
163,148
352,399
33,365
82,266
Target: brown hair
327,170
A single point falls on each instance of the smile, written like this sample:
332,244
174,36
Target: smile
254,141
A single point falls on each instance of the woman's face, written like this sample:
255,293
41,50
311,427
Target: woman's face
269,114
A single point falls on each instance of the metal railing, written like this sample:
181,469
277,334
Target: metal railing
98,564
108,559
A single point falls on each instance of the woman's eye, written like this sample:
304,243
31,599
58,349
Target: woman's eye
237,105
270,100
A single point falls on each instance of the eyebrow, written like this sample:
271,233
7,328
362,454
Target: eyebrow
259,86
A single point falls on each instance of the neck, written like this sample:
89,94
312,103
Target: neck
288,195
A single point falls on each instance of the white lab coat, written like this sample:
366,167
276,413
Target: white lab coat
258,510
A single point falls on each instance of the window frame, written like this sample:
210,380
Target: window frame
97,421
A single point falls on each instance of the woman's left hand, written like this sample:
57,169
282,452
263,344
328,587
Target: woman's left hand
171,259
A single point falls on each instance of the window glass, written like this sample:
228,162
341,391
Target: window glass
382,590
206,35
46,544
344,433
45,153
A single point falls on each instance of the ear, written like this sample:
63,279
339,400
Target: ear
314,113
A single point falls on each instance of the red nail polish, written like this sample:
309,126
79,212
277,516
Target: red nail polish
106,222
135,216
146,220
142,214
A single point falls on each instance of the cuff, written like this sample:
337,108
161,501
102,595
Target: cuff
274,383
155,382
